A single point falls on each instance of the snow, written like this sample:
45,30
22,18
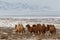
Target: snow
43,20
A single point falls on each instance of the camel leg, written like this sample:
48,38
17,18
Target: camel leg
23,31
18,32
41,34
33,34
38,32
53,33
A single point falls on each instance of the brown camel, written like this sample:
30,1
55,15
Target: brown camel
19,28
51,29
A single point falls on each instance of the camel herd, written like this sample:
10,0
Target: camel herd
36,28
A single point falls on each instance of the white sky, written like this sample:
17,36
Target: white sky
46,5
54,4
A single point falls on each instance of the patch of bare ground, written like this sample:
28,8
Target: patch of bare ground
9,34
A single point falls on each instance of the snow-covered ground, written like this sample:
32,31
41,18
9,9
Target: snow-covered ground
43,20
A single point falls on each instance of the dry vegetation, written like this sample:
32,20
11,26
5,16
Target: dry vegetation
9,34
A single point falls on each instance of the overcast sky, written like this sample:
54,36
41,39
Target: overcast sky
30,7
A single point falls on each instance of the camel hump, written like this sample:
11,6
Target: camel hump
33,25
